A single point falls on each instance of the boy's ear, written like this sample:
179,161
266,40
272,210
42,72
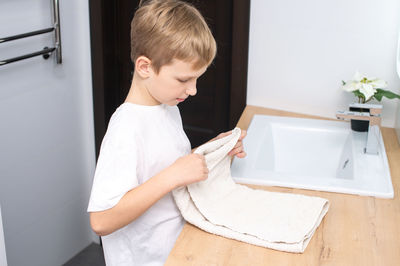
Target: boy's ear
143,66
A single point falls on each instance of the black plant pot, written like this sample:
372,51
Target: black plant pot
359,125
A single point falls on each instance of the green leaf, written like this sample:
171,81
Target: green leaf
388,94
378,95
358,94
343,83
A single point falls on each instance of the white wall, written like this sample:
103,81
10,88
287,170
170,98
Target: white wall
300,51
47,156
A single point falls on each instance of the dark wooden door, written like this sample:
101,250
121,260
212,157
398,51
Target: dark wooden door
221,91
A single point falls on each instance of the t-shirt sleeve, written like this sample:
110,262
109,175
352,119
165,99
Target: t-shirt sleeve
116,169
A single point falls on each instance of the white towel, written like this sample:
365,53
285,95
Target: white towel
218,205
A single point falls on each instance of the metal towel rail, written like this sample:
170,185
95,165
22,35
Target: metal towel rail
46,52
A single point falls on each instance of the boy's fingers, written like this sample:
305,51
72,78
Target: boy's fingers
236,150
238,144
241,154
244,133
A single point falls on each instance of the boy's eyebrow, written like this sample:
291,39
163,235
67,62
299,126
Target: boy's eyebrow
190,77
187,77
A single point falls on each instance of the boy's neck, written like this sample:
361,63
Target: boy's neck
138,94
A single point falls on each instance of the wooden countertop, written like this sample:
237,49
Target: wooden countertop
357,230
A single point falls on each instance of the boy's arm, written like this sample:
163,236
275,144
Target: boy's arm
133,204
188,169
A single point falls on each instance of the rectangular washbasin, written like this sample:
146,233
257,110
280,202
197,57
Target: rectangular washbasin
312,154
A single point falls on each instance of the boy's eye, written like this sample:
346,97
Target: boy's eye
183,80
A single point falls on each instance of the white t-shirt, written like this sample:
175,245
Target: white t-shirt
140,142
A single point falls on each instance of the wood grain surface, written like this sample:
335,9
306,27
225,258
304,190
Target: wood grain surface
357,230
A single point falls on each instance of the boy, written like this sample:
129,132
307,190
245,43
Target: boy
145,153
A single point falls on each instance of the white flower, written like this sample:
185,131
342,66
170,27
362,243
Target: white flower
367,86
351,86
367,90
357,77
378,83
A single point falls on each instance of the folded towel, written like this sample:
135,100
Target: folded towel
218,205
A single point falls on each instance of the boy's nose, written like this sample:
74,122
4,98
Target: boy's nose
192,90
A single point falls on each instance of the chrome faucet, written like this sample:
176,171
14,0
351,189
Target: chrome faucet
374,118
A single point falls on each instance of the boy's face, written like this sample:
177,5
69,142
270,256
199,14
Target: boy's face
174,82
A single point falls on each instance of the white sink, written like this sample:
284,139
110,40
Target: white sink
312,154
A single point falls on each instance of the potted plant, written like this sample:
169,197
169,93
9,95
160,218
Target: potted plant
366,89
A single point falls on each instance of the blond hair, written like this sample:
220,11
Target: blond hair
169,29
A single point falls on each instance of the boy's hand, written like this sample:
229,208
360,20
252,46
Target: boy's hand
188,169
238,150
